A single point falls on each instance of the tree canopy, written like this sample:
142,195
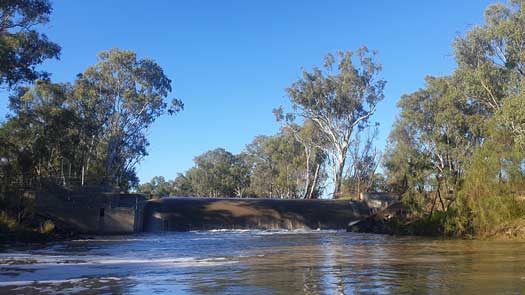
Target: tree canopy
22,47
339,99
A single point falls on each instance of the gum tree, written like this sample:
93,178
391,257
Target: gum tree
339,98
122,96
22,47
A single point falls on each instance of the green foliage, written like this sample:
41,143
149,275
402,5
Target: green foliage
511,117
123,96
283,167
157,186
363,162
286,165
93,131
22,48
458,142
339,99
182,186
219,173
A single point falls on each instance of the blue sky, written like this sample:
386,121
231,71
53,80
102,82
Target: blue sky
230,61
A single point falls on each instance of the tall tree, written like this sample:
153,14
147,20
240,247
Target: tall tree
278,166
311,139
438,130
22,48
124,95
339,99
40,127
491,58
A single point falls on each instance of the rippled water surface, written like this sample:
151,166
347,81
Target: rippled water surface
261,262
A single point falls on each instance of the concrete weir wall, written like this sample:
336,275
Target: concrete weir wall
183,214
94,212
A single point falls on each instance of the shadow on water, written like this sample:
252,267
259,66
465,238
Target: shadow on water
265,262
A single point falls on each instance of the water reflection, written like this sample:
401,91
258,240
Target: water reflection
258,262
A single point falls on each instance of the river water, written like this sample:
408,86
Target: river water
264,262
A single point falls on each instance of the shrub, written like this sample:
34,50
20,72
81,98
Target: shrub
47,227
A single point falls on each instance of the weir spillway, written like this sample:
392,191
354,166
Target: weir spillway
111,213
185,214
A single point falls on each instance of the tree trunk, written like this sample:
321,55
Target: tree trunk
82,177
307,172
433,205
314,182
339,177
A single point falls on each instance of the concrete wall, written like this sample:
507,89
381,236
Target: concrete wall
183,214
379,200
97,213
106,213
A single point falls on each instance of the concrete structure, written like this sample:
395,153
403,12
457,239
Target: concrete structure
183,214
94,212
378,201
113,213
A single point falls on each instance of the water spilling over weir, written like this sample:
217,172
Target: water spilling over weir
184,214
109,213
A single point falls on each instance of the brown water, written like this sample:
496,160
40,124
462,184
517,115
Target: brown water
261,262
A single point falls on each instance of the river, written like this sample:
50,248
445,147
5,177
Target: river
264,262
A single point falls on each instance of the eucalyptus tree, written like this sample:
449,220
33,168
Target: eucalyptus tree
262,166
309,137
405,164
122,95
512,118
278,166
22,47
340,98
364,159
157,186
217,173
491,57
491,73
441,129
182,186
42,127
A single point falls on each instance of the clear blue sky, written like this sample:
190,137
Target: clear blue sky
230,61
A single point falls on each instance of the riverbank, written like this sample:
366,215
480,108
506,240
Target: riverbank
34,230
434,226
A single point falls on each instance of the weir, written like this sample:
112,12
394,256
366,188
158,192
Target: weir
184,214
113,213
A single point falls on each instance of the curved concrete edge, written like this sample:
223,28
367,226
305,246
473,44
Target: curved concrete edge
184,214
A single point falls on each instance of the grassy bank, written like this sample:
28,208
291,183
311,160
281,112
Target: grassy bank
499,217
34,230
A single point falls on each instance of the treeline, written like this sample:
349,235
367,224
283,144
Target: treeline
91,131
88,132
326,138
458,144
276,166
288,165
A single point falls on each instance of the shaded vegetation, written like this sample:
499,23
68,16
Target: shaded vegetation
456,151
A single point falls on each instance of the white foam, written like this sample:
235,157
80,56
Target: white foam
112,240
28,261
49,282
57,282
